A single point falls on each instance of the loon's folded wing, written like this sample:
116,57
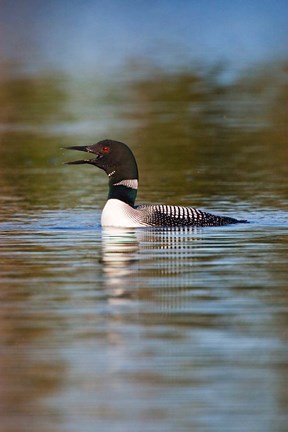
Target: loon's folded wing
175,216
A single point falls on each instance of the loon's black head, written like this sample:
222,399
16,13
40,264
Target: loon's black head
114,157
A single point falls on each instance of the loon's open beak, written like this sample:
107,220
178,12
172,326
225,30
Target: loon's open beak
86,149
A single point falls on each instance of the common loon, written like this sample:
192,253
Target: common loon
119,163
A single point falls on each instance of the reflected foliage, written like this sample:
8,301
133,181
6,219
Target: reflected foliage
31,99
233,132
189,121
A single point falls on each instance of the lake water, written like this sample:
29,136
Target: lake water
143,330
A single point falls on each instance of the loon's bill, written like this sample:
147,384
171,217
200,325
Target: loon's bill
119,163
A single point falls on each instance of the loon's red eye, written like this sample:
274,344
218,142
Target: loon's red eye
105,149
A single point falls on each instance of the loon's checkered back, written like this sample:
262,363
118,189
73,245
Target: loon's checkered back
175,216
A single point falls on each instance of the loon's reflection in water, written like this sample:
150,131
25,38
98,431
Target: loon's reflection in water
120,256
140,262
189,276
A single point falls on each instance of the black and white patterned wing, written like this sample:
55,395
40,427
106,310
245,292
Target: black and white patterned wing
159,215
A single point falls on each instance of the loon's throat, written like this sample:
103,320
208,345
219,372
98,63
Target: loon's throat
125,190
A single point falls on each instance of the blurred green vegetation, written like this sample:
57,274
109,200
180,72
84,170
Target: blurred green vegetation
234,133
31,99
190,130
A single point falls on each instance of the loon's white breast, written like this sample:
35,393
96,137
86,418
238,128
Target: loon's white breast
118,214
